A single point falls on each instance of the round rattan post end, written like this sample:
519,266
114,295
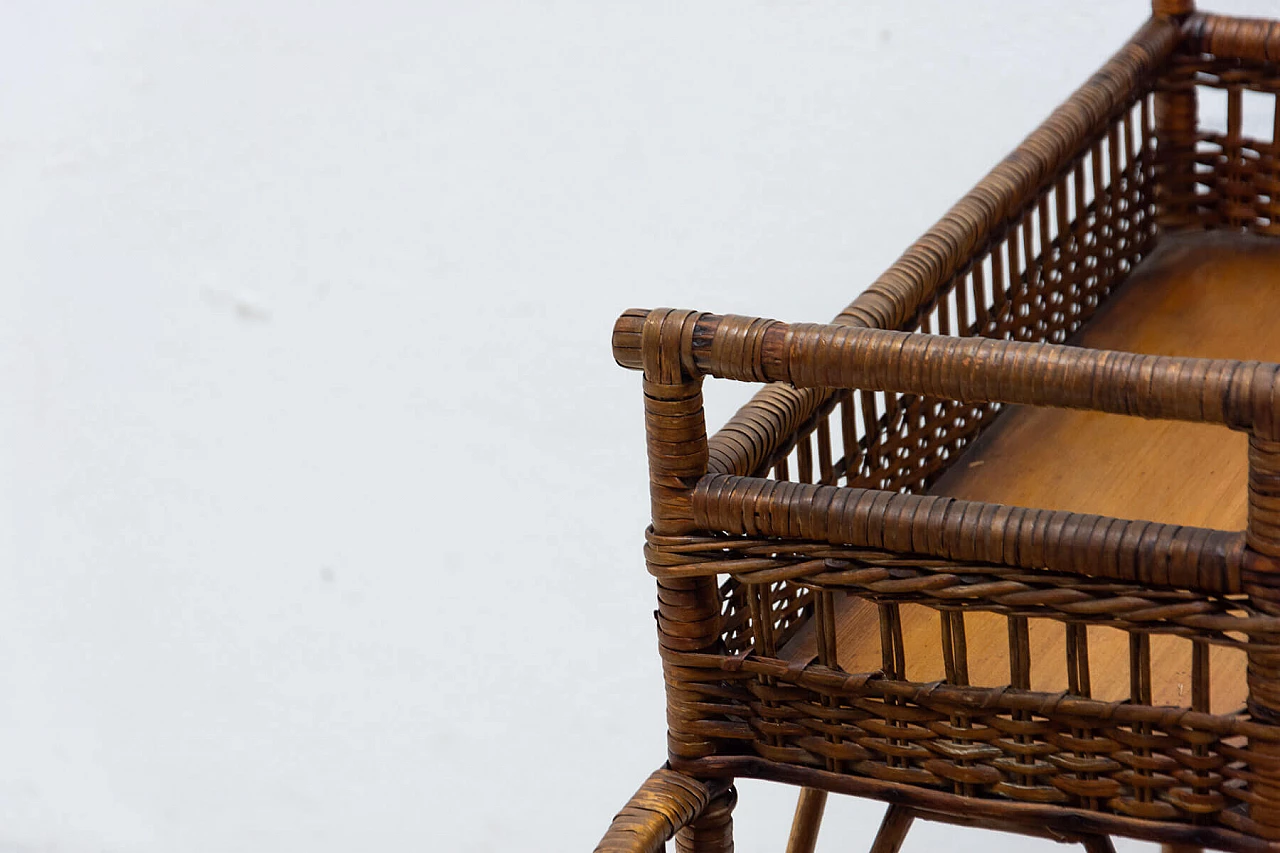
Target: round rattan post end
626,338
1172,7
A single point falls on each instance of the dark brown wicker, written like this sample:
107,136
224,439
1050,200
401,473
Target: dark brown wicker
817,492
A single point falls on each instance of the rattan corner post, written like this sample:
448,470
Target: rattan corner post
894,574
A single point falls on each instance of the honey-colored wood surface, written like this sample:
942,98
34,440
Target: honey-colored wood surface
1212,295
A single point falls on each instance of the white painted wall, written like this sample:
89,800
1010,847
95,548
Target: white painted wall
322,498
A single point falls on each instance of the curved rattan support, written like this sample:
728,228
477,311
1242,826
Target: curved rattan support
671,804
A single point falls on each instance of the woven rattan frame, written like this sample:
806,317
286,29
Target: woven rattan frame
813,491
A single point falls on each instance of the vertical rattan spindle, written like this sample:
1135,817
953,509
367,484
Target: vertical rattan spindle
1175,126
1263,586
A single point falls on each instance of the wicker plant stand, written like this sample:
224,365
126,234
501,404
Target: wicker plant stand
907,569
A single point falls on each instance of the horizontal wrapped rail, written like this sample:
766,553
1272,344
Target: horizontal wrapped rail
1243,395
1232,38
1141,552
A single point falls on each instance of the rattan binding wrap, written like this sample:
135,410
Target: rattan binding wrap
670,804
815,493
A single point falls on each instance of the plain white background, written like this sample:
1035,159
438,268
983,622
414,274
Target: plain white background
322,498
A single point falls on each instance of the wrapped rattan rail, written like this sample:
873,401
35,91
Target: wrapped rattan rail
1241,395
1141,552
674,347
1232,38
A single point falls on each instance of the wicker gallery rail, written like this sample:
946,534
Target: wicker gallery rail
894,573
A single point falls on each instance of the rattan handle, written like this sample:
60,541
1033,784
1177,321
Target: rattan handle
1241,395
665,804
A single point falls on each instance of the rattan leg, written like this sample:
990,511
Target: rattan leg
893,829
712,832
1098,844
808,819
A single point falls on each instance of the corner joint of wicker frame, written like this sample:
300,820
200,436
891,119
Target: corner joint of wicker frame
659,342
